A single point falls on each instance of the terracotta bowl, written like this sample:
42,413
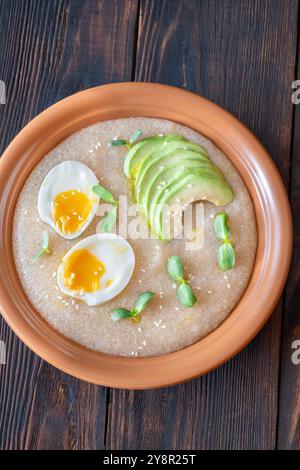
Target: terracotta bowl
268,195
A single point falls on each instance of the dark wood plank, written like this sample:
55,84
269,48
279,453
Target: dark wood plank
289,403
242,56
48,50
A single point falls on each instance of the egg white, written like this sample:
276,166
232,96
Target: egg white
67,176
117,256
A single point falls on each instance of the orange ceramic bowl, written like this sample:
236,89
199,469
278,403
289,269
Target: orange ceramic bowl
267,192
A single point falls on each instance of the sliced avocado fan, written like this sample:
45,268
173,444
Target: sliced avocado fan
169,172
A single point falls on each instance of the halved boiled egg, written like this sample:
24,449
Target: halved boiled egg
66,201
97,268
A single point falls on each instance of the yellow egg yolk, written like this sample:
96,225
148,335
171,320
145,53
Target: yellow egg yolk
70,211
82,271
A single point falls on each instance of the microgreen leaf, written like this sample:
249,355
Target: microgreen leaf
185,295
119,143
142,301
109,220
45,240
39,254
104,194
221,227
44,246
175,268
135,136
226,256
126,143
140,304
119,313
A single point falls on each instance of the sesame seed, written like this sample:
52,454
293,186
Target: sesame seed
25,212
228,285
140,347
143,270
46,296
66,304
77,307
199,288
177,308
209,291
160,307
59,297
139,281
163,326
140,330
174,286
90,150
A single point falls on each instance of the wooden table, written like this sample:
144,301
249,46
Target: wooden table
242,54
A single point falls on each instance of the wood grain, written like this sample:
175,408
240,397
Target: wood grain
48,50
242,56
289,409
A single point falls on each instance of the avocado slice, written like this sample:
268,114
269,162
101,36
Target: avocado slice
158,160
195,186
158,180
139,150
169,150
170,170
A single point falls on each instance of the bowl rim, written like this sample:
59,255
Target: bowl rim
128,99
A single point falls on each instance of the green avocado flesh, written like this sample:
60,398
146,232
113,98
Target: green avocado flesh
169,172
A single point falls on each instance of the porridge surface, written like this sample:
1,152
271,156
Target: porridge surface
165,325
